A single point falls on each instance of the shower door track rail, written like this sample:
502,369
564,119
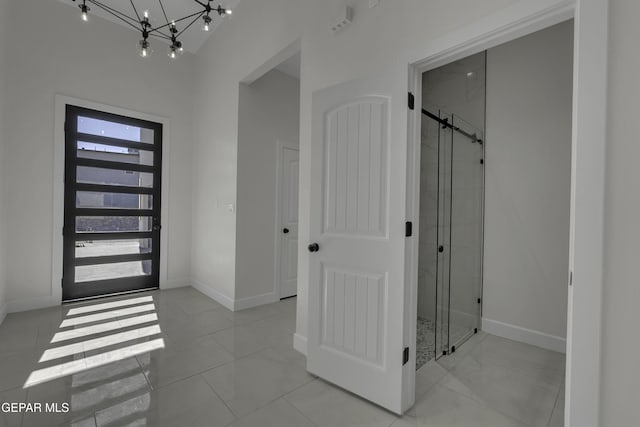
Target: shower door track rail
445,123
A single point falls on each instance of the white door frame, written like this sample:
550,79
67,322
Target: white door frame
277,274
582,391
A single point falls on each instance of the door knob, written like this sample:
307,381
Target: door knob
314,247
285,231
441,249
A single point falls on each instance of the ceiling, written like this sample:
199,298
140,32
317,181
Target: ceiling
291,66
192,39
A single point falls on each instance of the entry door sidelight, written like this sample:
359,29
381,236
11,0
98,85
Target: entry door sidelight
112,204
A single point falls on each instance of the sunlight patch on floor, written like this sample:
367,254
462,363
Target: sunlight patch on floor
126,340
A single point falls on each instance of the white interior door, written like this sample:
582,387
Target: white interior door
357,229
288,229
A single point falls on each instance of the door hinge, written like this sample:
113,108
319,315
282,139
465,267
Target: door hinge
408,229
405,356
479,300
412,101
571,278
62,282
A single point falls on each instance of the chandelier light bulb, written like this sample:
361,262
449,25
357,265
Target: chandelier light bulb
85,12
146,14
206,20
145,48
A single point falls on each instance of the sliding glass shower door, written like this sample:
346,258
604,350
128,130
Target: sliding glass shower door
462,232
451,234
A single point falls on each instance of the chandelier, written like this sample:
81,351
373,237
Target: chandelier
171,31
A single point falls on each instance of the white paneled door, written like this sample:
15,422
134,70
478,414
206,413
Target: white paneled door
357,246
288,224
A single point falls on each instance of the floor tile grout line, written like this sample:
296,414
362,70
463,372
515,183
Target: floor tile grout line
521,371
487,406
555,405
271,401
297,409
224,402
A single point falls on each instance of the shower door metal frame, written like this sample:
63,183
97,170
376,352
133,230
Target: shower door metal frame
443,243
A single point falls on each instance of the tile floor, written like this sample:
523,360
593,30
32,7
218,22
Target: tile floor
426,338
177,358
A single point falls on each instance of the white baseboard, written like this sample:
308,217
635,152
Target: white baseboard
3,312
244,303
176,283
527,336
300,343
235,304
28,304
213,294
37,303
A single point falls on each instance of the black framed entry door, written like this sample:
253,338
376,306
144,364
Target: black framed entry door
112,204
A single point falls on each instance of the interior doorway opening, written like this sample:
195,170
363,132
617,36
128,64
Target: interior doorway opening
494,191
451,207
268,177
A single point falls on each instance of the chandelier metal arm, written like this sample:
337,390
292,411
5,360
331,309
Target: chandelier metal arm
115,13
160,35
112,10
135,10
198,14
200,3
164,12
190,24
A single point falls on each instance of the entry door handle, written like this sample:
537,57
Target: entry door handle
314,247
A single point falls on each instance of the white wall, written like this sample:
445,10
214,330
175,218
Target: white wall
3,178
259,30
620,343
269,111
97,62
528,176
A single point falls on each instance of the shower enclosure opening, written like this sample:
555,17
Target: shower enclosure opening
451,207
